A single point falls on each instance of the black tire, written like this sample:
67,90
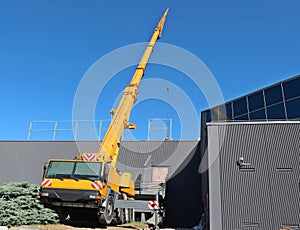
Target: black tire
101,219
63,215
130,215
122,217
108,213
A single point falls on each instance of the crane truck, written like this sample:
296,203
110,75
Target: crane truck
90,181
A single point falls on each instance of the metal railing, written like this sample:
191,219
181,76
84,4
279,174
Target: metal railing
75,129
160,124
71,126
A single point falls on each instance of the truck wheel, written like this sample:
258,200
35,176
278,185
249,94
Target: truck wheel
131,215
122,215
108,213
63,215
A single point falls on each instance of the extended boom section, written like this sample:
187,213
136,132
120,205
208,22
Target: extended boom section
109,148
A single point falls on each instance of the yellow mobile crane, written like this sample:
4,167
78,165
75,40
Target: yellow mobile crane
91,181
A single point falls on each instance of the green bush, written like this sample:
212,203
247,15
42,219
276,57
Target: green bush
20,205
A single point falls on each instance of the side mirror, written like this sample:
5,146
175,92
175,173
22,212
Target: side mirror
45,168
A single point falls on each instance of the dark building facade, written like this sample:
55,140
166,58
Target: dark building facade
277,102
263,130
263,191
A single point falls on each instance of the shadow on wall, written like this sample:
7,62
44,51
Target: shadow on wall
183,201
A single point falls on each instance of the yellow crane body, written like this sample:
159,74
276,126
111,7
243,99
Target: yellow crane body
91,179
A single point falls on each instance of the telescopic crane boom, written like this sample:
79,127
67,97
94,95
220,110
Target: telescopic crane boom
109,148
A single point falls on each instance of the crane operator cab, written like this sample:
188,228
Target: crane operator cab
65,183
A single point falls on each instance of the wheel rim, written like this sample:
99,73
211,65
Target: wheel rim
109,210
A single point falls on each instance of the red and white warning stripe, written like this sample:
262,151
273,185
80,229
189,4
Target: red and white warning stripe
89,157
97,185
153,204
46,183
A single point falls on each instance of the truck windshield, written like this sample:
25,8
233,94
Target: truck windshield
74,170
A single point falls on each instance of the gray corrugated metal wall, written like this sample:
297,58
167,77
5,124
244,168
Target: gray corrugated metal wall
23,161
284,172
264,194
142,154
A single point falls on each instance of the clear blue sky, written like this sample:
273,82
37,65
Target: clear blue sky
47,46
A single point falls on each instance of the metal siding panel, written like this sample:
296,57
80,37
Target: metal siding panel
23,161
267,198
215,213
245,201
283,147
